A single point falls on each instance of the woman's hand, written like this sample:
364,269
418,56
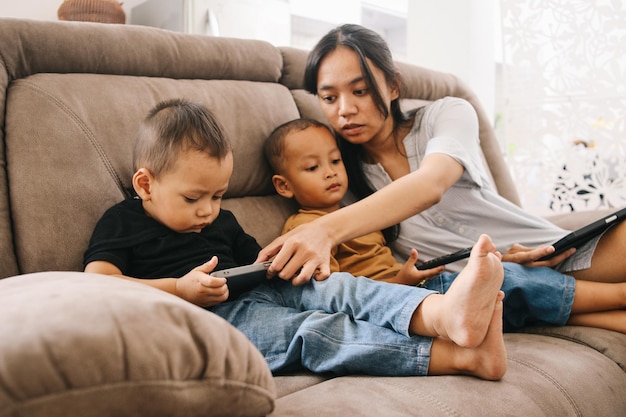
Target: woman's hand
528,256
300,255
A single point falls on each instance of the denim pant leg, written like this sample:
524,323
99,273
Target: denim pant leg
533,296
379,303
290,338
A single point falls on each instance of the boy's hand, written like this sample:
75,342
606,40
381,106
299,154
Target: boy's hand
410,275
200,288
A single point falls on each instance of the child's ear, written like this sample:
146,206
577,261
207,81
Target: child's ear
142,179
282,186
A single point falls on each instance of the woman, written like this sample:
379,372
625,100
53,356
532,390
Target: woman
426,168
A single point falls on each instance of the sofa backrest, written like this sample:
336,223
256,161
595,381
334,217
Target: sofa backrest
72,95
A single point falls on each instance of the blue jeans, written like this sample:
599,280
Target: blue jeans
347,325
532,296
342,325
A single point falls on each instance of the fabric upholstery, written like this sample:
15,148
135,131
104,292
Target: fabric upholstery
527,389
140,352
91,120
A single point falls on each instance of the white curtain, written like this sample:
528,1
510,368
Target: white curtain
563,102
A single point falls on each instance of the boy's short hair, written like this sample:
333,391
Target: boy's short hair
274,146
174,126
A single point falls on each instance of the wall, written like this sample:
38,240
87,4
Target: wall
458,37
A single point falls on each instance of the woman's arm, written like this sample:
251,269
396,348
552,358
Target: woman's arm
306,249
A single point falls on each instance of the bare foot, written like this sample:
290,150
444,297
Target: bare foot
469,302
486,361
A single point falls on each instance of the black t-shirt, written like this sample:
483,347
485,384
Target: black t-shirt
141,247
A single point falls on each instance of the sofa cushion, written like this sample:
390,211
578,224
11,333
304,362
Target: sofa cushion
610,344
81,47
546,376
76,344
92,139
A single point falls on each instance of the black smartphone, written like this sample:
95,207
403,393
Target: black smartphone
445,259
242,278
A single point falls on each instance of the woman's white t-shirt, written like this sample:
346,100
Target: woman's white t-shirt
472,206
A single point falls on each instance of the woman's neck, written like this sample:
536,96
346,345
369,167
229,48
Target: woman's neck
389,152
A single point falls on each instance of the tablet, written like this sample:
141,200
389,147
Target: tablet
584,234
243,278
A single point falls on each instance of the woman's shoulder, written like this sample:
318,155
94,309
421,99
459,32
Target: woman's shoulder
411,110
450,107
450,102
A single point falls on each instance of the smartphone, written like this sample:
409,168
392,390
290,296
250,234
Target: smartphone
445,259
243,278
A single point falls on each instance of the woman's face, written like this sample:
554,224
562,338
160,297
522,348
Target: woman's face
346,100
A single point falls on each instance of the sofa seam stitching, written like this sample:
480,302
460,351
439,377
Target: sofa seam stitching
553,381
83,127
445,408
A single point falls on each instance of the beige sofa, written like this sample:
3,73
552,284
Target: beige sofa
72,344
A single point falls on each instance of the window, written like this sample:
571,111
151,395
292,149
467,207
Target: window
563,102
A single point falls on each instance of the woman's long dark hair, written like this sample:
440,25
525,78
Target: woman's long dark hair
366,44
